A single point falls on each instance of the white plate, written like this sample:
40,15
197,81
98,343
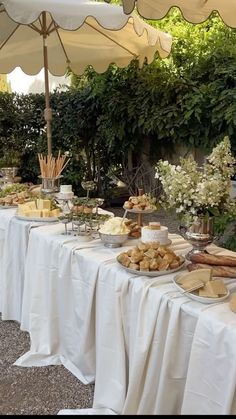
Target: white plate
204,300
38,219
136,211
8,206
152,273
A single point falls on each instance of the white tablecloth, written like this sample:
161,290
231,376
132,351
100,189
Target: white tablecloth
5,217
13,266
136,336
14,236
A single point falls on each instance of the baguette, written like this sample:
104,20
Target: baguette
213,259
219,271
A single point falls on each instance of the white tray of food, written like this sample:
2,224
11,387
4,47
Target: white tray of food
38,219
152,273
195,297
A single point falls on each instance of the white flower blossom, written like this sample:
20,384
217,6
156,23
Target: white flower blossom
193,191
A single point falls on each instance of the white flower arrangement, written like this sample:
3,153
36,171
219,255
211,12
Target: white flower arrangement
193,192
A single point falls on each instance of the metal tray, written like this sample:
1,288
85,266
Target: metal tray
38,219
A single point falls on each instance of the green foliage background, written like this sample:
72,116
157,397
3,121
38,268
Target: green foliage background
187,99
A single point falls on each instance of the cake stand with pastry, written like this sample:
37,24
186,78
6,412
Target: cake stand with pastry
141,204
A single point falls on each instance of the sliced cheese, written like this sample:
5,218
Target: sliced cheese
203,275
32,205
55,212
22,208
219,287
35,213
192,283
45,213
208,291
43,204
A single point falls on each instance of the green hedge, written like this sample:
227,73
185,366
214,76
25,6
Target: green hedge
188,99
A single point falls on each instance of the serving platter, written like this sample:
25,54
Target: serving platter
152,273
38,219
8,206
204,300
136,211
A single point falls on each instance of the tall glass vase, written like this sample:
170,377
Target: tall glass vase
199,233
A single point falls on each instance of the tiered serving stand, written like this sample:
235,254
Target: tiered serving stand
140,213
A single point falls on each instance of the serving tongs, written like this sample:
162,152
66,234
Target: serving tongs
196,287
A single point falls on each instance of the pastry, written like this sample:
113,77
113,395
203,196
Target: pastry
144,265
124,259
136,256
134,266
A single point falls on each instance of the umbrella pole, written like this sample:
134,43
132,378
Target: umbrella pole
47,110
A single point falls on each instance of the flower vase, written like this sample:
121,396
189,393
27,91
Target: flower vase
199,233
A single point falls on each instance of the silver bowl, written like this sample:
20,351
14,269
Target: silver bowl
113,240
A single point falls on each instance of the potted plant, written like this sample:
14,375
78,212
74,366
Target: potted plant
199,196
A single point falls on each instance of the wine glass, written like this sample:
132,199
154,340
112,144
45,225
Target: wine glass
65,218
88,185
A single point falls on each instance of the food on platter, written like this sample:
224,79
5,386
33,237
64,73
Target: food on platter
84,205
15,194
114,225
232,302
201,284
150,257
140,203
190,278
155,232
15,187
38,208
134,228
217,270
92,219
213,259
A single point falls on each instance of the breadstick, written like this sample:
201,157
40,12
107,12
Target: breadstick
213,259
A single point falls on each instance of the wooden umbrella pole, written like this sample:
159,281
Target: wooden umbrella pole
140,216
48,110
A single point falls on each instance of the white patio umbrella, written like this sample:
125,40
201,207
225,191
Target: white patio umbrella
62,34
195,11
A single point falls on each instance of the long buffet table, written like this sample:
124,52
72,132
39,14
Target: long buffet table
149,349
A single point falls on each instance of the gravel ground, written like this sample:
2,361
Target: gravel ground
35,391
44,390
